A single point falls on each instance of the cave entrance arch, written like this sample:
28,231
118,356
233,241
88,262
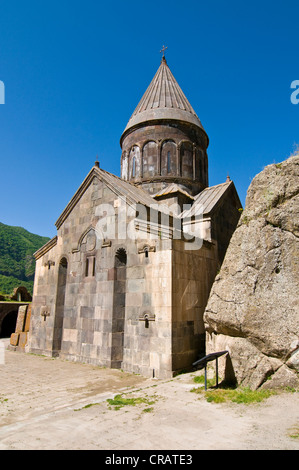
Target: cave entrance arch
8,325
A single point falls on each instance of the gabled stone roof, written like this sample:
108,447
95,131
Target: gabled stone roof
163,99
206,201
121,188
172,189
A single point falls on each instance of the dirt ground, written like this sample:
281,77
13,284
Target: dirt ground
51,404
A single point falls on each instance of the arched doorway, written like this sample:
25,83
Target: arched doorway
119,307
59,313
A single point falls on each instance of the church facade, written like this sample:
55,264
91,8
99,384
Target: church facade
125,282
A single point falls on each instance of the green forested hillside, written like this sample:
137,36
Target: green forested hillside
17,263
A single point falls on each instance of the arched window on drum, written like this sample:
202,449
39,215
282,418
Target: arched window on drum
186,156
150,159
134,161
124,166
168,158
198,165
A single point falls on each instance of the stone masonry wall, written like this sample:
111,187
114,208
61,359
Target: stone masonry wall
91,329
193,274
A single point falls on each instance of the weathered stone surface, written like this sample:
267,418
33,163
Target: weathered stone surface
21,318
253,306
283,378
23,339
27,319
14,339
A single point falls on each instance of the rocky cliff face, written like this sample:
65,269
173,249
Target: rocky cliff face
253,307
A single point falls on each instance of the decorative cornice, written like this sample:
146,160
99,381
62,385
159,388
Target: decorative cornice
44,249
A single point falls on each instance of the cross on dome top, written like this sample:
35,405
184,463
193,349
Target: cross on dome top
162,51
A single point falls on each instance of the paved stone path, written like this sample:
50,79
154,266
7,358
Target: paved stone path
48,404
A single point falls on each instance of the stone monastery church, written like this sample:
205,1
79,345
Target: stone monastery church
125,282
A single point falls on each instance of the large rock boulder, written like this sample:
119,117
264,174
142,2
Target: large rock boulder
253,310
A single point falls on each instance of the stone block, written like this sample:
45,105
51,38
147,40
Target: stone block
14,339
70,335
98,339
121,273
69,323
28,318
135,285
111,274
23,339
135,272
86,336
161,299
86,312
21,319
146,299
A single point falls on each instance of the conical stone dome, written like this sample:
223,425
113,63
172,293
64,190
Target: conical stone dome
164,141
163,99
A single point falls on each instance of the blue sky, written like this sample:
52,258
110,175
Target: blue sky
74,72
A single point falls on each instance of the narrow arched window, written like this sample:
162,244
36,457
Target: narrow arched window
168,158
120,257
134,167
168,162
198,164
124,166
134,162
186,154
150,159
90,266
